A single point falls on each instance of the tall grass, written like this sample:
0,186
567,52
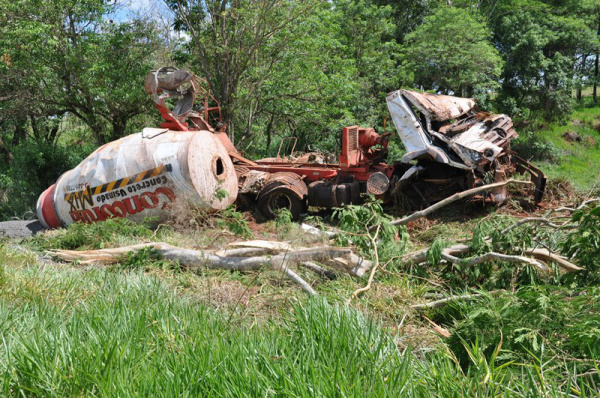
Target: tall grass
69,332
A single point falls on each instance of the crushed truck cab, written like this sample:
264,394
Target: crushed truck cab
450,131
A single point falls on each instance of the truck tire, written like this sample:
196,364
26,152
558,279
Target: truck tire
271,202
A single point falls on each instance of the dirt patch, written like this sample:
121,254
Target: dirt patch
578,123
571,136
559,191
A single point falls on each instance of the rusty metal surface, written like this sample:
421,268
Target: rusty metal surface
253,181
448,130
290,180
439,107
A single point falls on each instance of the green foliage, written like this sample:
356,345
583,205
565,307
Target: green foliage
360,223
125,334
583,245
530,146
540,43
146,258
35,166
99,235
284,221
66,57
542,322
434,253
235,222
450,52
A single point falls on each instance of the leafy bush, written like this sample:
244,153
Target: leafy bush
35,167
583,245
235,222
359,224
529,146
284,221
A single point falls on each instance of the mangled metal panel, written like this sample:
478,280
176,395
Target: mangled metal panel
141,176
439,107
408,126
463,138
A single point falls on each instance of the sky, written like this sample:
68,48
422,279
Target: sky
128,8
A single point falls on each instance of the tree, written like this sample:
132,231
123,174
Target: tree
545,45
549,48
451,53
323,65
64,57
228,36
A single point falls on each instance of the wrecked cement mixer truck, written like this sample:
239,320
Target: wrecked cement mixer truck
450,147
143,174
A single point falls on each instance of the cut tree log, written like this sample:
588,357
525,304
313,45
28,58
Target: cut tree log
354,265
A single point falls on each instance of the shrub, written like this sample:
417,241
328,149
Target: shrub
358,223
529,146
541,321
35,167
583,245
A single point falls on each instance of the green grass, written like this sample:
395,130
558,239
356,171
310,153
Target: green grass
148,327
70,332
577,162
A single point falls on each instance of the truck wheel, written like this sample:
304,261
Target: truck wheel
271,202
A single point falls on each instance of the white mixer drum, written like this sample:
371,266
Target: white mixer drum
141,176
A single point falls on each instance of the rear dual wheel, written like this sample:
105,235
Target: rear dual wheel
272,202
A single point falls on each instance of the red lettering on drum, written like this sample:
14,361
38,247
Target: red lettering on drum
127,206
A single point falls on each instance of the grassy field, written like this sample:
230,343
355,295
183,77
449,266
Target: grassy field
575,161
73,332
148,327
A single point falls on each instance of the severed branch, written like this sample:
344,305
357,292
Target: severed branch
528,256
454,198
538,220
318,269
490,256
444,301
373,239
353,265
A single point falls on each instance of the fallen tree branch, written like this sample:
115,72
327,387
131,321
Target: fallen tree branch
490,256
373,239
296,278
440,330
444,301
538,220
527,256
454,198
353,265
546,255
318,269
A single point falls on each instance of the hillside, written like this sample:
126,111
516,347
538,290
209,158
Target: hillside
571,148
